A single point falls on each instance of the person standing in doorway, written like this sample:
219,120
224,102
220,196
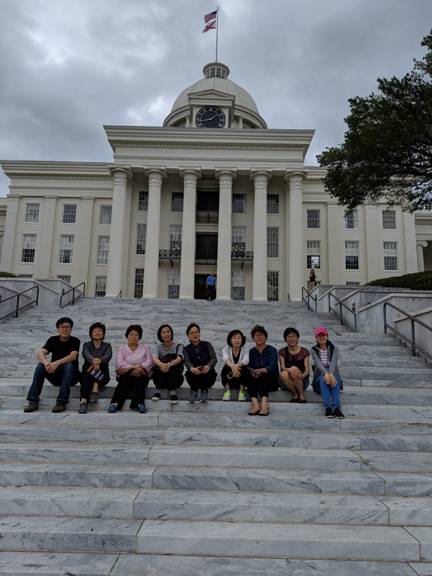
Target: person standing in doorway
211,286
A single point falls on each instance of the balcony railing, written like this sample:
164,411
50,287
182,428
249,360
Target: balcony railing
238,252
173,253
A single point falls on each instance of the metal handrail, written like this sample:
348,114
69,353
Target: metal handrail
342,305
65,292
415,348
19,308
309,296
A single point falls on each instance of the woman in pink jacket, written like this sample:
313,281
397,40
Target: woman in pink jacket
134,363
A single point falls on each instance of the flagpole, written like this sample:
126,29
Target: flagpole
217,32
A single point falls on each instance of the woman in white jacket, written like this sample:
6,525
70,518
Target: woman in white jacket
235,358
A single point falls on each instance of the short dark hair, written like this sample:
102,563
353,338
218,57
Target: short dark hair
64,320
192,325
160,330
97,325
135,327
291,331
233,333
260,329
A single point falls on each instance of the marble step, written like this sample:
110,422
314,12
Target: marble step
259,480
351,394
76,502
68,534
85,474
119,454
174,436
278,409
268,540
227,539
232,479
56,564
414,423
276,508
85,502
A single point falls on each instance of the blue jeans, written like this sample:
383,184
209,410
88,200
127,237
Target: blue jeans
330,395
65,376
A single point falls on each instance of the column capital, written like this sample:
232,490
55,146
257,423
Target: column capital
190,172
253,174
162,172
289,175
232,172
422,243
120,170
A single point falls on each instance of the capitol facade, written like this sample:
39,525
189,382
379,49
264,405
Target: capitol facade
211,191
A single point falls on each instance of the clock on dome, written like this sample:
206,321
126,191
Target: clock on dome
210,117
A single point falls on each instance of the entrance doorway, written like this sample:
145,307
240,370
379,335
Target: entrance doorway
200,292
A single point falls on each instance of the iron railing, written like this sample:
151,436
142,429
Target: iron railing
342,306
416,349
307,297
20,307
74,289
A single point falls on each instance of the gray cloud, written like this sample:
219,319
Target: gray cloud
67,67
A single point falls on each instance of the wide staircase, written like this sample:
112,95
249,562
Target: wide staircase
205,488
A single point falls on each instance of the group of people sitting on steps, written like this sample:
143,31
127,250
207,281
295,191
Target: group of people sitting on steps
254,371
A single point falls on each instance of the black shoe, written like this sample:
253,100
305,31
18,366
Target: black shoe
83,409
93,397
204,396
337,413
59,407
32,406
156,397
329,413
142,408
173,399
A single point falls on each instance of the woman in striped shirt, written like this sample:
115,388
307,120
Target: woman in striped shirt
327,380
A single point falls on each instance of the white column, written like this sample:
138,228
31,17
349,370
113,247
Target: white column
420,255
224,234
9,238
187,267
374,245
409,235
118,231
295,232
151,269
83,241
45,261
259,274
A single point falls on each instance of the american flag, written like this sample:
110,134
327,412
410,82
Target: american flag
210,16
210,26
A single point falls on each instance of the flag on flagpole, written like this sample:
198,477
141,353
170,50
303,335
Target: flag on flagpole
210,21
210,16
210,26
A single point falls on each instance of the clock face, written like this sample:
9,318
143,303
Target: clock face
210,117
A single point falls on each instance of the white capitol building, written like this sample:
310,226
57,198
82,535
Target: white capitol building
212,190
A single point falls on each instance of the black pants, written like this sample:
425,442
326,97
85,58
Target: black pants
234,383
170,380
211,292
87,385
201,382
132,387
261,386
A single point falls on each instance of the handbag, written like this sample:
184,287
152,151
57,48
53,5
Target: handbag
96,374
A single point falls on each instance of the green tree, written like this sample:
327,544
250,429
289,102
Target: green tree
387,152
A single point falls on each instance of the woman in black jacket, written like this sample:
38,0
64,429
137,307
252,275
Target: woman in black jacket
200,360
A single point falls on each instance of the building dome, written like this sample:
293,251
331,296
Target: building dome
215,89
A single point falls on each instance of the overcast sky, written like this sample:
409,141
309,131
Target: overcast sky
69,66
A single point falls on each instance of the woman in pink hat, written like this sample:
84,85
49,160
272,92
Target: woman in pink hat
327,379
